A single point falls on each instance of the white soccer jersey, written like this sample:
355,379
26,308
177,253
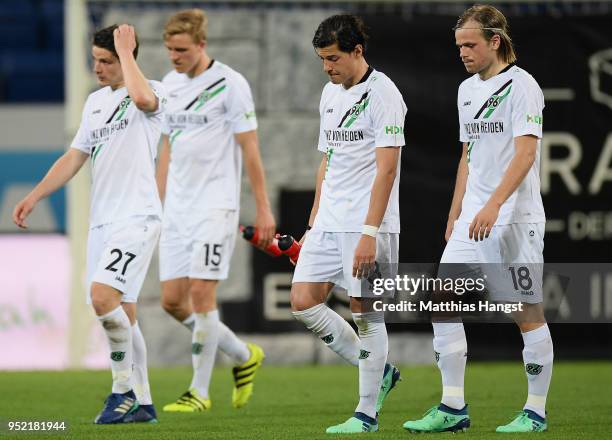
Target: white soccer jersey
122,143
491,114
354,123
203,115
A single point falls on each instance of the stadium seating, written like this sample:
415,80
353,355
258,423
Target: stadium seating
31,55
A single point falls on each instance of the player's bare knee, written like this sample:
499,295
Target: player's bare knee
530,318
104,299
302,297
171,305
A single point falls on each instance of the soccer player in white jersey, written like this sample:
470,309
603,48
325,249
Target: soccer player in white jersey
496,215
210,125
354,220
120,129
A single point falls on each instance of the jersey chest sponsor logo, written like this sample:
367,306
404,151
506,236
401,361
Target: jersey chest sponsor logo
484,127
102,134
181,120
344,135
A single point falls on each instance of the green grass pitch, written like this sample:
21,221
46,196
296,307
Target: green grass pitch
300,402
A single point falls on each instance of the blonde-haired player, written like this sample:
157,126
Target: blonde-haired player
496,216
210,127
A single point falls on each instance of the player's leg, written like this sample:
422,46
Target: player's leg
318,268
106,302
538,351
308,306
140,375
212,262
174,265
374,371
205,337
450,347
176,302
119,274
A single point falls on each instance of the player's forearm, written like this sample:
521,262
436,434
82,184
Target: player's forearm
460,185
137,85
59,174
319,184
255,172
379,197
520,165
162,167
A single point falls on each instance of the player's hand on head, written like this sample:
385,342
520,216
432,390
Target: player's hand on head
481,226
125,38
266,227
365,255
21,212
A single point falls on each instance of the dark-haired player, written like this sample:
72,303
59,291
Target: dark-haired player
119,131
355,215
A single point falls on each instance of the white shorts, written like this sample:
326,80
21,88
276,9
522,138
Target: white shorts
197,248
511,258
118,254
328,257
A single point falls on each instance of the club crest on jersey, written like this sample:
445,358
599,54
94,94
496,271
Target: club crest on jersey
493,102
204,97
356,109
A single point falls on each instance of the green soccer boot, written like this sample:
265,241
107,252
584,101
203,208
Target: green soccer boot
357,424
391,377
441,418
526,421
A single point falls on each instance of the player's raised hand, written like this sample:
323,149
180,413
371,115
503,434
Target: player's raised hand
365,255
266,227
125,39
483,222
21,212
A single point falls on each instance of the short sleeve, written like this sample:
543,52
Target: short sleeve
388,112
240,106
463,135
162,98
165,127
322,144
527,108
81,139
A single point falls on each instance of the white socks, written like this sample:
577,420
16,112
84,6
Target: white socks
333,329
538,359
189,322
204,341
372,359
450,346
229,343
140,376
118,331
232,346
